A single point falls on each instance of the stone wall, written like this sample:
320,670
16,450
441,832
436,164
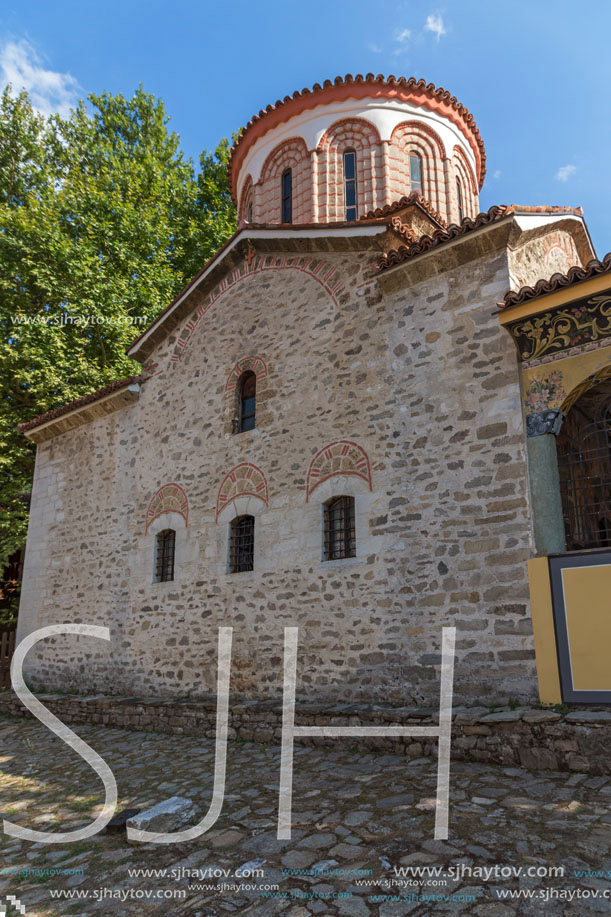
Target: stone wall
421,383
531,738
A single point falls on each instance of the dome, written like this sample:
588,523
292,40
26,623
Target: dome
335,152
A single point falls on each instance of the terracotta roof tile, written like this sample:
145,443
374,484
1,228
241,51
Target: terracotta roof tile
438,93
78,403
557,282
453,231
414,197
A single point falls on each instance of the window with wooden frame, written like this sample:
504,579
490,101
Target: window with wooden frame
459,200
415,172
165,547
339,528
242,544
247,402
287,196
350,184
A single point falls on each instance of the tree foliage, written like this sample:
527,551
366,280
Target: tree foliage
102,221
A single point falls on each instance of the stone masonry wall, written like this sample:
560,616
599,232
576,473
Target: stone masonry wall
422,381
531,738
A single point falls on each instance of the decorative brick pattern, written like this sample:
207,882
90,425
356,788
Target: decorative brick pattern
253,364
170,498
245,480
417,137
343,457
246,201
292,154
323,273
362,137
461,170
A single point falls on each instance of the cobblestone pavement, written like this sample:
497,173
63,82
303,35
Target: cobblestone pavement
358,815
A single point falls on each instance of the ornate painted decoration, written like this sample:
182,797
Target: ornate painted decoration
552,332
599,376
170,498
245,480
254,364
545,393
341,457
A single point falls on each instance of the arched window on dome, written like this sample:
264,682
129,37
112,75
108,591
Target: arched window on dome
459,200
415,172
249,212
247,404
350,184
287,196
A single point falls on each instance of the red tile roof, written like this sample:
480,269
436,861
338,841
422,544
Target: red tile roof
557,282
414,197
78,403
453,231
426,93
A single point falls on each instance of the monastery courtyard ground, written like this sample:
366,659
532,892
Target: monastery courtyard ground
360,818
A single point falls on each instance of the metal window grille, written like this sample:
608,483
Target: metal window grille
459,200
350,184
415,172
339,528
242,544
287,196
248,402
164,559
584,466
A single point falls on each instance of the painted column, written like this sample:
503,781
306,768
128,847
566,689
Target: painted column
548,521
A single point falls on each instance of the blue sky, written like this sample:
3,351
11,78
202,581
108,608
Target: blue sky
535,73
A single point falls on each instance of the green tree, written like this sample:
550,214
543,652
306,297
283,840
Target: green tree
101,216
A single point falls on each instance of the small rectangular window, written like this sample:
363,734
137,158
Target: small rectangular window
350,184
339,528
165,546
287,196
415,172
242,544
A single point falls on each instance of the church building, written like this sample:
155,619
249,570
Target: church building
365,417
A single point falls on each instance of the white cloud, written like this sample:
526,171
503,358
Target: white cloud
376,49
49,91
402,35
565,172
434,24
497,174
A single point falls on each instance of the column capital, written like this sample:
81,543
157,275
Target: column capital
544,422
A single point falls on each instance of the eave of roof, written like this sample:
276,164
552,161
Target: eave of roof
423,93
573,276
78,403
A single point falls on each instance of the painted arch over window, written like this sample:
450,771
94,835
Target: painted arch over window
290,156
244,481
416,139
170,498
342,457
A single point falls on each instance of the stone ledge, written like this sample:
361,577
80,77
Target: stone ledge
529,737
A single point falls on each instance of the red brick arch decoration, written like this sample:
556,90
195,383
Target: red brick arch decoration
245,480
321,271
254,364
342,457
170,498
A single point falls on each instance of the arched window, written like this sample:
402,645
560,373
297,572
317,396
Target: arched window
339,528
584,466
249,216
350,184
165,543
247,391
459,200
242,544
415,172
287,196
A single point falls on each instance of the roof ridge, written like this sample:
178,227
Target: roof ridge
439,236
414,197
